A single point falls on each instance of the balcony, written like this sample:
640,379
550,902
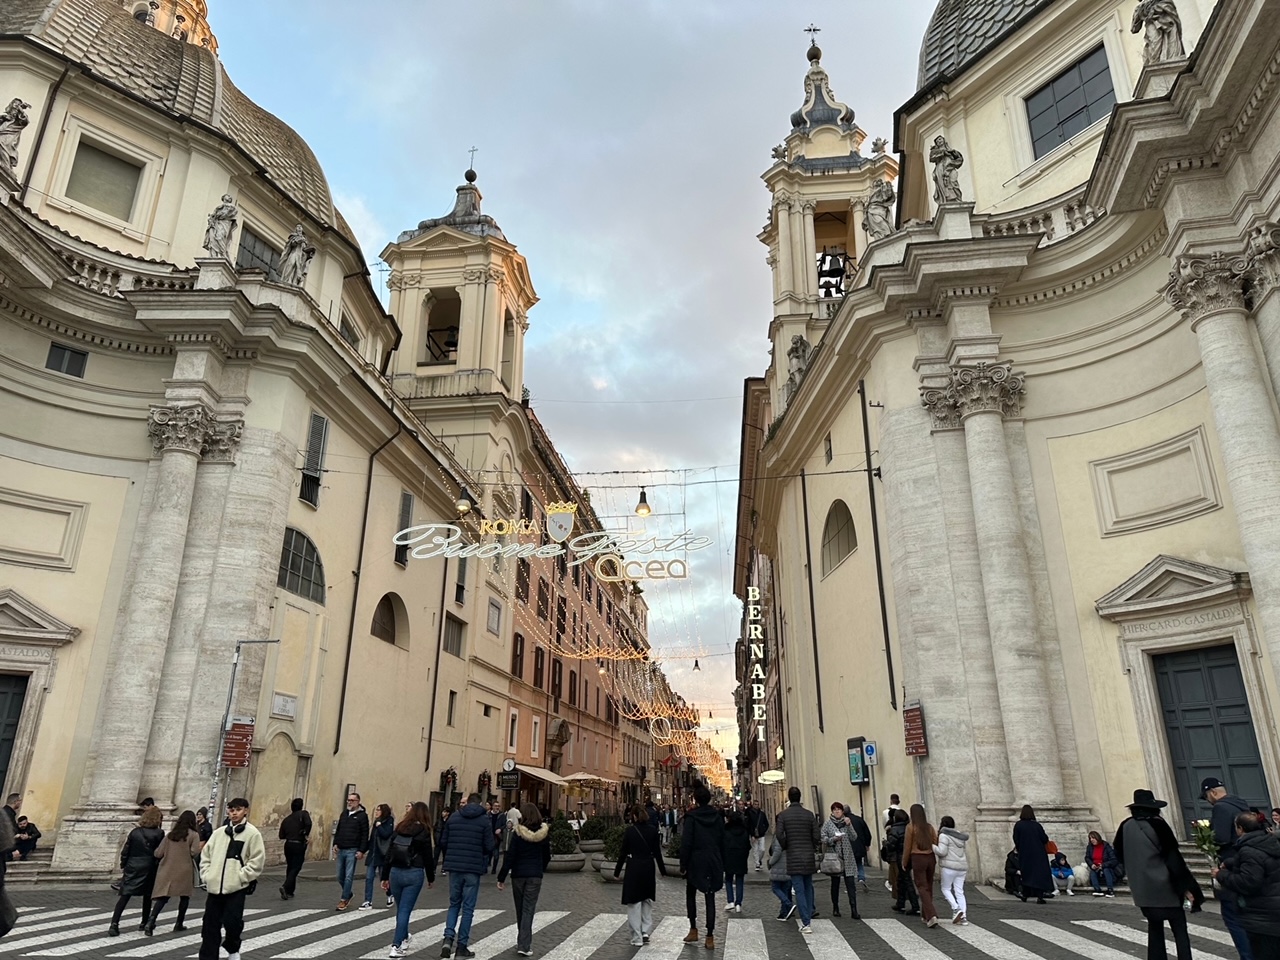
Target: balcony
456,383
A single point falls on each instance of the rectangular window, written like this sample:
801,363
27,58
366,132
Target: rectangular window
513,731
571,749
494,622
539,666
562,608
487,709
453,635
517,656
586,591
573,688
826,448
557,676
406,521
577,577
254,253
562,565
348,333
544,599
103,181
460,588
608,617
453,706
526,505
65,360
1074,99
313,462
600,601
537,736
597,701
522,580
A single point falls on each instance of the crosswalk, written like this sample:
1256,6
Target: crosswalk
312,934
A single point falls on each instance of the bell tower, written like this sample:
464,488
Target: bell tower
819,185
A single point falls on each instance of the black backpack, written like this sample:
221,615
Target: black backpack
401,852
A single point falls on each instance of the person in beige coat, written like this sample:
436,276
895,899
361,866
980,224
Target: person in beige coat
175,876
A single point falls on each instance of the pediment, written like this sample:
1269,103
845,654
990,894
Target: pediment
22,620
1170,584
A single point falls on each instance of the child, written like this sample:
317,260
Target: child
954,865
1064,875
780,880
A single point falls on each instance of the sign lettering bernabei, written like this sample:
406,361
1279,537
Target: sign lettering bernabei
917,741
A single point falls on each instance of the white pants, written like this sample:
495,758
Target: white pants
953,889
1064,883
757,848
640,919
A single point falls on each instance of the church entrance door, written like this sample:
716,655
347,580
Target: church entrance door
13,692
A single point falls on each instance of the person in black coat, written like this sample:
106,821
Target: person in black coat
737,847
1030,840
1250,875
295,831
641,851
702,862
527,857
408,864
138,861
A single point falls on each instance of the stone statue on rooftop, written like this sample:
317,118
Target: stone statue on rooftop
296,259
12,122
222,223
1161,27
879,145
946,161
878,221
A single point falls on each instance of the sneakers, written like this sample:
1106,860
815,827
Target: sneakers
464,952
888,886
806,929
637,943
1070,892
342,904
959,917
931,922
1098,893
446,950
1110,894
691,936
863,885
391,901
644,939
783,913
395,953
234,956
367,905
524,953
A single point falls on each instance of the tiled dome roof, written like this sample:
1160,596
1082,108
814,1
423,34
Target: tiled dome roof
962,30
181,78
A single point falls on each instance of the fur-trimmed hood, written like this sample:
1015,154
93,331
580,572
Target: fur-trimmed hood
532,836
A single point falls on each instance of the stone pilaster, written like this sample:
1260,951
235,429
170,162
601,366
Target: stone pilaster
808,250
1262,270
786,265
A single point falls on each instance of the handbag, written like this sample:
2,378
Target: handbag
831,864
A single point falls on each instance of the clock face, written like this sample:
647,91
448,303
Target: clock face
508,765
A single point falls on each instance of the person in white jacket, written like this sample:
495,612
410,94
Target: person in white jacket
954,866
230,865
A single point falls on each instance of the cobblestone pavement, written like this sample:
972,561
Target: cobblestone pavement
581,919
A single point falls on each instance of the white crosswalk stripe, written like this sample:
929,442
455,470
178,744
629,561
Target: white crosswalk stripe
384,927
430,937
827,943
667,940
905,940
582,943
1195,929
1139,936
505,939
744,940
995,947
46,922
128,928
1081,946
255,941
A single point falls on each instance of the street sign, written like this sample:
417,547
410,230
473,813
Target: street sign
237,743
917,741
870,756
509,780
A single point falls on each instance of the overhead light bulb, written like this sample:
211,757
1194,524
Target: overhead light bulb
696,668
642,508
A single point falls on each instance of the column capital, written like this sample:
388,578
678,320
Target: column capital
941,403
179,427
808,205
988,388
1200,285
222,439
1262,250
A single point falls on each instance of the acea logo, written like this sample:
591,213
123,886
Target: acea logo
612,556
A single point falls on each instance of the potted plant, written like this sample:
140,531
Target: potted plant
565,857
671,854
591,835
612,850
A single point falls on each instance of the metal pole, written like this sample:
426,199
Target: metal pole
218,768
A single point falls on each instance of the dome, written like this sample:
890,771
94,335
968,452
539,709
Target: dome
961,31
182,79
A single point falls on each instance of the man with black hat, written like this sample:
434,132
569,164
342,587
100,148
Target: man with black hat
1223,822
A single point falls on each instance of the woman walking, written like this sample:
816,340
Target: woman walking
138,861
902,887
838,835
408,864
917,856
953,863
737,848
1100,858
175,876
641,852
526,859
780,880
1030,840
380,834
1250,874
702,862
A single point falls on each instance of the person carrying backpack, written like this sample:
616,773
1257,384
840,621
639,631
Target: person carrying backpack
410,861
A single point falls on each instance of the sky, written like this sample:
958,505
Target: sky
620,147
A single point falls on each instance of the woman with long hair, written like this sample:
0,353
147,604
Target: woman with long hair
526,859
409,863
1031,843
955,866
174,876
737,848
138,861
1100,858
380,833
641,850
917,857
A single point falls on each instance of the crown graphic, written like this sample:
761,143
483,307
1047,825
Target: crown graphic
562,506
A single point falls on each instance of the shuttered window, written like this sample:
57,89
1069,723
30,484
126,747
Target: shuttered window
103,181
313,462
406,521
460,587
517,656
453,635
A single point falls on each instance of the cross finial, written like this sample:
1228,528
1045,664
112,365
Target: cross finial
472,151
813,32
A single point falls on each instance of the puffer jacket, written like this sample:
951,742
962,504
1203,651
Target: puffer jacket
1251,875
528,853
702,848
778,863
352,831
950,850
797,829
467,840
232,859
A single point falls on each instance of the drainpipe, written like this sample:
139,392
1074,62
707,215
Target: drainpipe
44,123
875,542
435,676
813,616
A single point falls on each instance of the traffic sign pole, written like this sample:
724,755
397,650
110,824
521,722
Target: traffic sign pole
219,764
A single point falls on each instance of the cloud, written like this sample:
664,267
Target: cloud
368,229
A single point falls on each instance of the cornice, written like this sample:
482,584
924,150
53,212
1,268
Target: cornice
104,341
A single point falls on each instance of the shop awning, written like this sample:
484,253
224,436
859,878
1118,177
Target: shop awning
541,773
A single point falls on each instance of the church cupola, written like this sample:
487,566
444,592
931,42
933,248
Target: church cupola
821,108
185,20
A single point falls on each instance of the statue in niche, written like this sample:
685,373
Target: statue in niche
12,122
296,259
878,221
946,161
222,223
1162,39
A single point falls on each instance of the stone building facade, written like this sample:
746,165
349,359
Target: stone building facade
1023,473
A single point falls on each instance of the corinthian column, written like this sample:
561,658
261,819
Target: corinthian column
1263,273
1210,293
983,395
786,255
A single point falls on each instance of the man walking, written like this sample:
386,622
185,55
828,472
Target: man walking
799,835
1223,822
499,821
758,827
466,842
350,843
702,862
230,864
295,831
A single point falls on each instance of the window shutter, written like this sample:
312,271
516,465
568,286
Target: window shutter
406,521
313,462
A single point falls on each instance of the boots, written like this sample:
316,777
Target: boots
113,930
692,936
835,909
710,943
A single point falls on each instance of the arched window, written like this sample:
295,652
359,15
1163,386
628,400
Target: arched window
384,620
838,537
301,571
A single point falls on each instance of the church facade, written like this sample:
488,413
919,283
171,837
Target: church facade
1009,493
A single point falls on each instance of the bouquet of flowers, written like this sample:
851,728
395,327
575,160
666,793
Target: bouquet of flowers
1204,839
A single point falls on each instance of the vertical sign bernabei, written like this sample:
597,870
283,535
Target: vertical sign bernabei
755,677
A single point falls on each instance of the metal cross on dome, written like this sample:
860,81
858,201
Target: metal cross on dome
813,32
472,151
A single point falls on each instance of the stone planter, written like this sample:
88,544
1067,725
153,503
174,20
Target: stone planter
673,866
606,869
566,862
591,846
596,860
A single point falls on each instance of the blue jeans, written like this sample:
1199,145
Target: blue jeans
733,886
347,870
1101,878
782,890
463,890
802,884
406,884
862,869
372,873
1231,919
